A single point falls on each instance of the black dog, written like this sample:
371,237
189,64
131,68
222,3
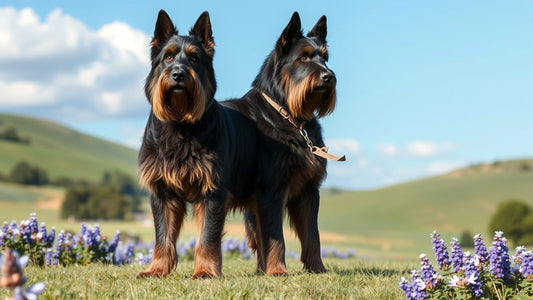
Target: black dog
293,88
194,150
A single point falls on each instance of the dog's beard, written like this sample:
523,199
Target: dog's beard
304,98
178,103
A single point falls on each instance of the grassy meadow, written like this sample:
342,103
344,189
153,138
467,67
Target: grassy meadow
346,279
388,227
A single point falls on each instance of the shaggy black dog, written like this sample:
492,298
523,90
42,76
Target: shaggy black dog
294,87
194,150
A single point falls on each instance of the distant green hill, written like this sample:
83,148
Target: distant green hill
390,221
62,151
404,215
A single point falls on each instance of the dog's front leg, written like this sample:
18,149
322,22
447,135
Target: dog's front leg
303,215
210,216
270,219
168,218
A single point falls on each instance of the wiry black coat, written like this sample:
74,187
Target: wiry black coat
194,150
289,174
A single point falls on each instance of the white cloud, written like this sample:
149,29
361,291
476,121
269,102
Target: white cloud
428,149
389,150
60,68
343,146
442,167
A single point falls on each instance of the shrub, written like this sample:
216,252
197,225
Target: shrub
509,217
24,173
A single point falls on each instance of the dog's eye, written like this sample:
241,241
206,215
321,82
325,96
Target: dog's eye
169,57
193,58
304,58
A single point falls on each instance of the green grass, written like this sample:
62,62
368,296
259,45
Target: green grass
62,151
346,279
397,220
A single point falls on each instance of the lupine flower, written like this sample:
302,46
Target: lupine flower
418,286
32,223
414,290
457,254
500,265
527,264
113,245
406,287
440,250
471,271
520,250
430,277
480,249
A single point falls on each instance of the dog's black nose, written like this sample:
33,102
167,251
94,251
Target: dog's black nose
178,75
326,76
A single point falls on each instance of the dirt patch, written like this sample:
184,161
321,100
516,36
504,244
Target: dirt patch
50,199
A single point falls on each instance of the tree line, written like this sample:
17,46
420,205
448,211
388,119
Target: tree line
116,196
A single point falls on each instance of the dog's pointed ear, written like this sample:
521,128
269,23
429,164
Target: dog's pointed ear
164,29
320,30
202,30
290,34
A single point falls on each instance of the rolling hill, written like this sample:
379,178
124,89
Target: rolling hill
398,219
393,221
62,151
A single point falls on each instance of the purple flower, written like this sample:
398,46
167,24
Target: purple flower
113,246
418,287
405,285
60,240
430,277
472,273
520,250
414,290
50,238
457,254
83,230
440,250
527,265
500,264
32,223
480,249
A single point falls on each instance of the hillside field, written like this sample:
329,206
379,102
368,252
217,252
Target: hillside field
390,222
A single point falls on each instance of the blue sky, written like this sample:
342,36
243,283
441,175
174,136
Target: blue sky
424,87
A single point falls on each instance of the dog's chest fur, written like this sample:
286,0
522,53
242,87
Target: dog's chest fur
300,168
175,160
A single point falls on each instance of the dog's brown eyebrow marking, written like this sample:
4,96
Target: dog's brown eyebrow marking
307,50
173,49
190,49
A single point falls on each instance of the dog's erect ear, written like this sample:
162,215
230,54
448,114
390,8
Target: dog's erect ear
202,30
164,29
320,30
290,34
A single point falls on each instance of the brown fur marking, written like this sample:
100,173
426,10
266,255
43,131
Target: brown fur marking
298,94
275,262
199,173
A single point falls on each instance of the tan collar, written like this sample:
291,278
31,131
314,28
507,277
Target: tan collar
319,151
282,111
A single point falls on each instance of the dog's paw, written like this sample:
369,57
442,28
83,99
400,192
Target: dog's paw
203,275
278,271
151,273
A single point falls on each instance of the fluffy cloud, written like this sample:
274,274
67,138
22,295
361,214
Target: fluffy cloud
343,146
428,149
59,68
418,149
387,149
442,167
